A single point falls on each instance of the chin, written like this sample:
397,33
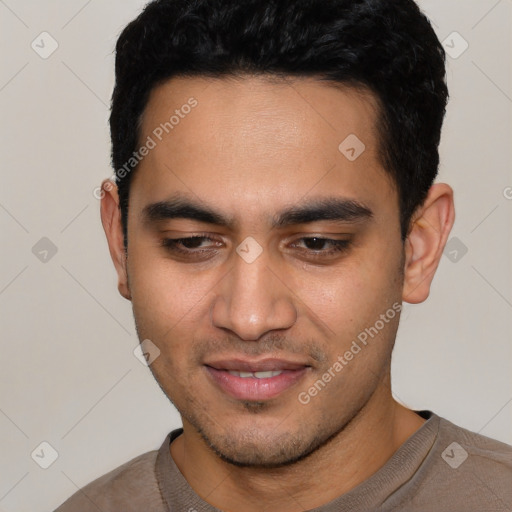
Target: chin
260,448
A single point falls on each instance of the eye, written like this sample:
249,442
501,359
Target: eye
191,245
317,246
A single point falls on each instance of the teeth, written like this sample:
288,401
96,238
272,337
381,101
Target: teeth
267,375
257,375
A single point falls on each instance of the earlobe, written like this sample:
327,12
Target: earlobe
111,220
427,238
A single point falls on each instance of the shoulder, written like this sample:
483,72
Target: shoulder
464,445
479,468
130,487
464,471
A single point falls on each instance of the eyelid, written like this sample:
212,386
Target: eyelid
185,235
175,239
329,237
331,241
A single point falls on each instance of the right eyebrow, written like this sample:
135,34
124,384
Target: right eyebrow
178,207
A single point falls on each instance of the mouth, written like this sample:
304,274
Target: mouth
255,380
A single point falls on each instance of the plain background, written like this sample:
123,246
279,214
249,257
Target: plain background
68,374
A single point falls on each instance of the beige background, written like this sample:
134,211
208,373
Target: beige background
68,375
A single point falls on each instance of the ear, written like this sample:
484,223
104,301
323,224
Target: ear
111,220
428,233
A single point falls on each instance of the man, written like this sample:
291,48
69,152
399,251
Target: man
274,206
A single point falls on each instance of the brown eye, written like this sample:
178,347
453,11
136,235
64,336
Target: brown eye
192,242
324,245
315,243
192,245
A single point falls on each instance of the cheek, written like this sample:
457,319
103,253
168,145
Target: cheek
351,297
167,306
164,293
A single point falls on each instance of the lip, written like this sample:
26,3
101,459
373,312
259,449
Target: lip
252,388
263,365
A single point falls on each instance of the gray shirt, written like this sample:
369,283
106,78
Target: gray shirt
440,468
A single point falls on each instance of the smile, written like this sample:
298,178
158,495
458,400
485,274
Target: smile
255,380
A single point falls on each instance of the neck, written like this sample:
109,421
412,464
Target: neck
353,455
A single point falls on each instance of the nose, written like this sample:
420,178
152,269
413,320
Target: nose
252,301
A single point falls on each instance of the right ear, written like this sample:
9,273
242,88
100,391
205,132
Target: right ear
111,220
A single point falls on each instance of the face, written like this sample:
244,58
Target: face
259,256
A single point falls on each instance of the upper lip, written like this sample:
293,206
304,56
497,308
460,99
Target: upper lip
263,365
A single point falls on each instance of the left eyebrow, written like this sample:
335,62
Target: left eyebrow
341,210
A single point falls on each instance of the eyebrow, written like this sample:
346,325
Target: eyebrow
331,208
335,209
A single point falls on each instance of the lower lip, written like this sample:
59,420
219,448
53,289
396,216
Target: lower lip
251,388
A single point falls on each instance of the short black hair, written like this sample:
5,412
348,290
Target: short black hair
385,46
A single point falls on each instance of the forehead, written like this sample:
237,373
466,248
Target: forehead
259,142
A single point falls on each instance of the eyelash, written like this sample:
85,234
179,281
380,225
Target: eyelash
173,245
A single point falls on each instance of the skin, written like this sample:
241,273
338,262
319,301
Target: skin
251,148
